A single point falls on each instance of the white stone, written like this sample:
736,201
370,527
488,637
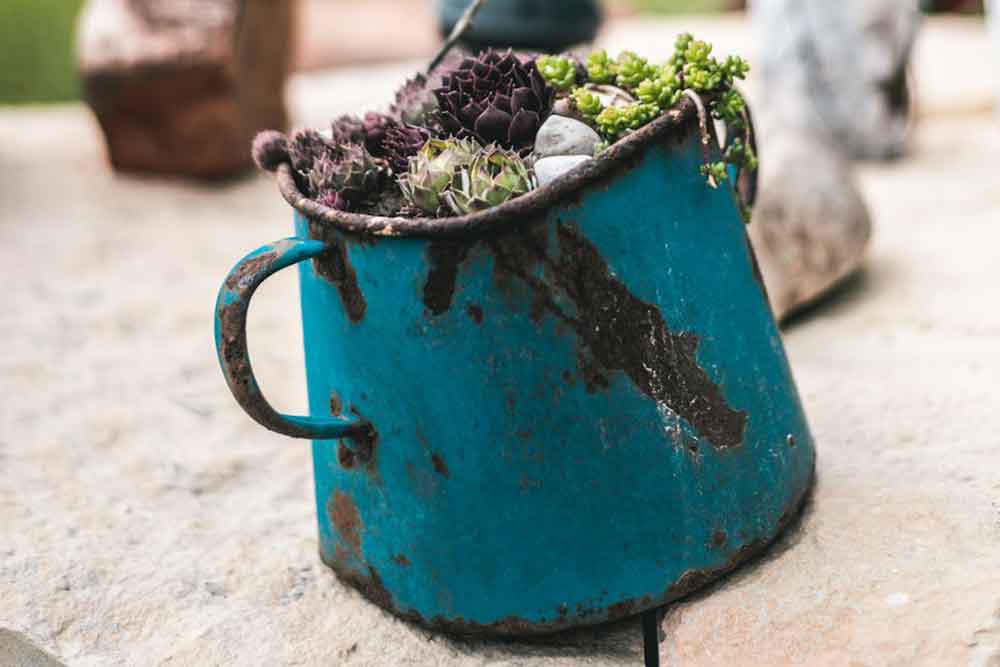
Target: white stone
560,135
550,168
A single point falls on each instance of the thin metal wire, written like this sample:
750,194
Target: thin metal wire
460,28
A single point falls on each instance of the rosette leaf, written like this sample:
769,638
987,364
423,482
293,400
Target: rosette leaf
496,98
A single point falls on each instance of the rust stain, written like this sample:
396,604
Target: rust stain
719,538
365,444
440,467
345,518
444,258
335,266
401,560
475,312
250,268
336,405
345,456
371,586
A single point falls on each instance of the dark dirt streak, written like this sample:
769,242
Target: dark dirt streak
619,332
444,257
440,467
475,312
334,265
625,333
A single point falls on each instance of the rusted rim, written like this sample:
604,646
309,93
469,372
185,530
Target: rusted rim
619,157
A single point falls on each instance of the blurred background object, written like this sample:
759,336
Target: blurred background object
36,51
993,18
537,25
181,87
838,69
37,61
833,87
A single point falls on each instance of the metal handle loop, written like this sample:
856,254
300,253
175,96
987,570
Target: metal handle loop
231,309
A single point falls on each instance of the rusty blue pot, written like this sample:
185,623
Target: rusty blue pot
565,410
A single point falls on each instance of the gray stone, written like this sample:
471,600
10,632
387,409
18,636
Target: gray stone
838,69
565,136
550,168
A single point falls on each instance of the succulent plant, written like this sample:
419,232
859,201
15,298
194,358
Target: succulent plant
304,148
333,199
664,89
431,172
369,131
729,105
560,72
415,102
501,101
633,70
347,130
348,170
613,122
494,177
587,103
270,149
376,125
496,98
601,68
401,142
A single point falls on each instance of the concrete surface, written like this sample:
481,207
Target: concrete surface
145,520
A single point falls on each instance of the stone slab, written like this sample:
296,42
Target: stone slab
145,520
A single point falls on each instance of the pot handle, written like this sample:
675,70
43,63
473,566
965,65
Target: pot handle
231,309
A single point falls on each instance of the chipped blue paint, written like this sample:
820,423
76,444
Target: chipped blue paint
502,494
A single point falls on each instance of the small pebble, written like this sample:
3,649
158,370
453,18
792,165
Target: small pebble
565,136
550,168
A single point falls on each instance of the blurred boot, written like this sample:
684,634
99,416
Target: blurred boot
810,227
839,69
832,87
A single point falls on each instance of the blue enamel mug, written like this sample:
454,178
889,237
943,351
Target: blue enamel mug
565,410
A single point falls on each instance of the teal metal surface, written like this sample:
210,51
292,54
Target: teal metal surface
551,422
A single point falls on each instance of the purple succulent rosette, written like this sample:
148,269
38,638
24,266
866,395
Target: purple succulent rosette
495,98
401,142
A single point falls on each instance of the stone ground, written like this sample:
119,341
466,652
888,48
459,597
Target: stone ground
144,519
